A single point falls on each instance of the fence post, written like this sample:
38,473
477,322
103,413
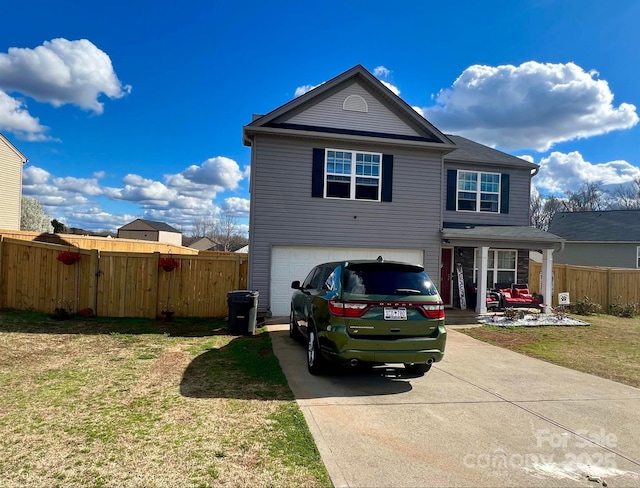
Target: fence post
608,305
94,276
236,278
154,283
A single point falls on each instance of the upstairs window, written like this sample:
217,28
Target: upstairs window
638,256
478,192
353,175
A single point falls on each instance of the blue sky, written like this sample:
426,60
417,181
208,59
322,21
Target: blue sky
135,109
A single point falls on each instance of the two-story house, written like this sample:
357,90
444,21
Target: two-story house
150,230
350,171
11,162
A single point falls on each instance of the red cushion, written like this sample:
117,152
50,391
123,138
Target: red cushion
521,292
506,294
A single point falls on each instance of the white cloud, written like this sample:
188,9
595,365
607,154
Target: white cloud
62,72
391,87
533,105
15,118
32,175
142,190
419,110
381,72
221,173
301,90
560,172
236,206
527,157
90,186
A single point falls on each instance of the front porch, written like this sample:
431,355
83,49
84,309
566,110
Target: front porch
468,250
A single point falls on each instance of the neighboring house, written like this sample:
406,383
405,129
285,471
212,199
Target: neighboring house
11,161
243,249
350,171
149,230
607,238
199,243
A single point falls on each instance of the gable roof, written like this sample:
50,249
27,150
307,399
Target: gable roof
474,152
13,148
152,224
430,135
609,225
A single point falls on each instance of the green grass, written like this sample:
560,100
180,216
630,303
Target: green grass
609,347
136,402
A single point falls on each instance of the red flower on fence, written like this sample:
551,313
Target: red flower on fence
168,264
68,257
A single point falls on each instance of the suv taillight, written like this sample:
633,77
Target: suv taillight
433,311
347,309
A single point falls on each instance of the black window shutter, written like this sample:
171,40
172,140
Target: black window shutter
452,176
317,173
387,177
504,193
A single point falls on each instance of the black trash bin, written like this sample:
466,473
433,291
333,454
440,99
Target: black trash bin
243,310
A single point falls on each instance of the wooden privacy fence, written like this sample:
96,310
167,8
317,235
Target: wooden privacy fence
100,243
605,286
116,284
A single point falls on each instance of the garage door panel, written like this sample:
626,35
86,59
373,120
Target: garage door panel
290,263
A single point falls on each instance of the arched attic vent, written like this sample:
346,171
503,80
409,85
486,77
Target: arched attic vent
355,103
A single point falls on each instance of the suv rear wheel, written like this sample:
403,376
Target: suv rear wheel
315,361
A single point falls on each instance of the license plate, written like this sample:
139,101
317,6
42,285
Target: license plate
395,314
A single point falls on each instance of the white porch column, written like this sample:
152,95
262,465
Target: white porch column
547,274
481,285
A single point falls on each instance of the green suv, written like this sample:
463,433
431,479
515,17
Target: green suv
368,312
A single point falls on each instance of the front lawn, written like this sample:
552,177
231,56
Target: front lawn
609,347
137,402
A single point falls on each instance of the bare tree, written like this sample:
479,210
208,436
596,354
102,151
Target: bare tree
627,197
33,217
542,210
589,197
225,229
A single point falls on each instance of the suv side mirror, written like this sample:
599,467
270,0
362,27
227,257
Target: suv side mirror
295,285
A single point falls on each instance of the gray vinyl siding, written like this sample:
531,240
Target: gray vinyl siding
10,188
284,213
519,193
610,254
329,113
143,235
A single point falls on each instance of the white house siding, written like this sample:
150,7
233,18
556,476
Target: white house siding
519,192
329,113
10,187
170,237
285,214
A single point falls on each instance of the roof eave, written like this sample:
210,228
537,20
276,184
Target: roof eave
249,132
14,149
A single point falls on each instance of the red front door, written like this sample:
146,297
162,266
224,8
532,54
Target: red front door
445,275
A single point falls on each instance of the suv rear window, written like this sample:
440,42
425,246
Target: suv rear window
386,279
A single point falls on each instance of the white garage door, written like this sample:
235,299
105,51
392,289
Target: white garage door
290,263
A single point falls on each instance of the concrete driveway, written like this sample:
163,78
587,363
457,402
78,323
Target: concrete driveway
484,416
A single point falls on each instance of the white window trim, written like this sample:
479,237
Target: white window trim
495,269
353,176
478,191
638,257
